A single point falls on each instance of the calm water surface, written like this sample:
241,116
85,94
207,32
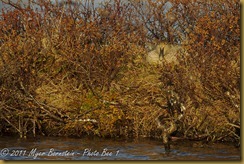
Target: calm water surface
60,148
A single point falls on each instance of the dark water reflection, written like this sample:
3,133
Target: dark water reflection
60,148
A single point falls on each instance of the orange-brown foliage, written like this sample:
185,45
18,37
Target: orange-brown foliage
61,63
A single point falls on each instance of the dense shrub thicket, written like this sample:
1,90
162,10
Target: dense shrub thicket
78,67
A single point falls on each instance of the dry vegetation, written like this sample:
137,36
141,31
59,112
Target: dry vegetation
61,64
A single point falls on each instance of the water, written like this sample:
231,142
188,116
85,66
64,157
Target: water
61,148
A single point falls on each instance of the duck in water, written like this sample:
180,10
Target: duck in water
167,121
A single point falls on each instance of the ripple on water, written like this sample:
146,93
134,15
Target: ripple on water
140,150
